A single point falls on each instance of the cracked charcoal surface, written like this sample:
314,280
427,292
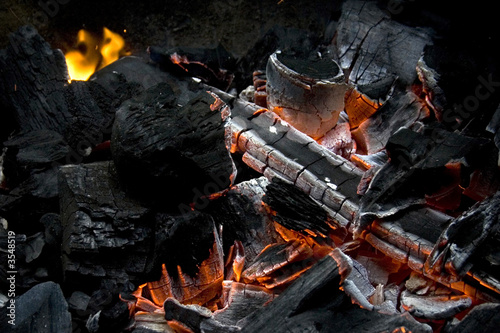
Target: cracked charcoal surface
183,156
106,233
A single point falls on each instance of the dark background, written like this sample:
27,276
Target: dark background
237,24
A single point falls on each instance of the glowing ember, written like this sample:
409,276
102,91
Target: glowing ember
93,54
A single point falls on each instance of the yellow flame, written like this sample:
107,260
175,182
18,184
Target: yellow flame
81,64
110,50
93,54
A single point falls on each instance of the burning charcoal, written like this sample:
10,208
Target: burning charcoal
184,241
339,140
401,110
468,242
193,318
485,179
372,47
272,147
308,93
279,264
434,307
184,148
146,322
368,162
378,267
486,316
208,64
364,100
42,308
203,283
356,284
243,217
105,232
241,301
297,211
303,307
188,315
415,157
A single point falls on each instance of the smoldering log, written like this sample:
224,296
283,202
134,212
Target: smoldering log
469,242
241,301
434,307
297,211
402,109
362,101
279,264
105,233
158,146
414,231
275,149
243,217
415,157
190,279
307,92
303,306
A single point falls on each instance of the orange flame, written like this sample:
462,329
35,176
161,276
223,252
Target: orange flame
93,54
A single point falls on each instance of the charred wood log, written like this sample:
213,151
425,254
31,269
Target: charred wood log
41,306
415,157
470,243
403,109
243,217
434,307
105,233
303,307
201,283
371,46
486,316
241,300
183,241
296,211
308,92
275,149
158,146
33,82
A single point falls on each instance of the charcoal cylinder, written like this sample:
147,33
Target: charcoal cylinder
308,92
